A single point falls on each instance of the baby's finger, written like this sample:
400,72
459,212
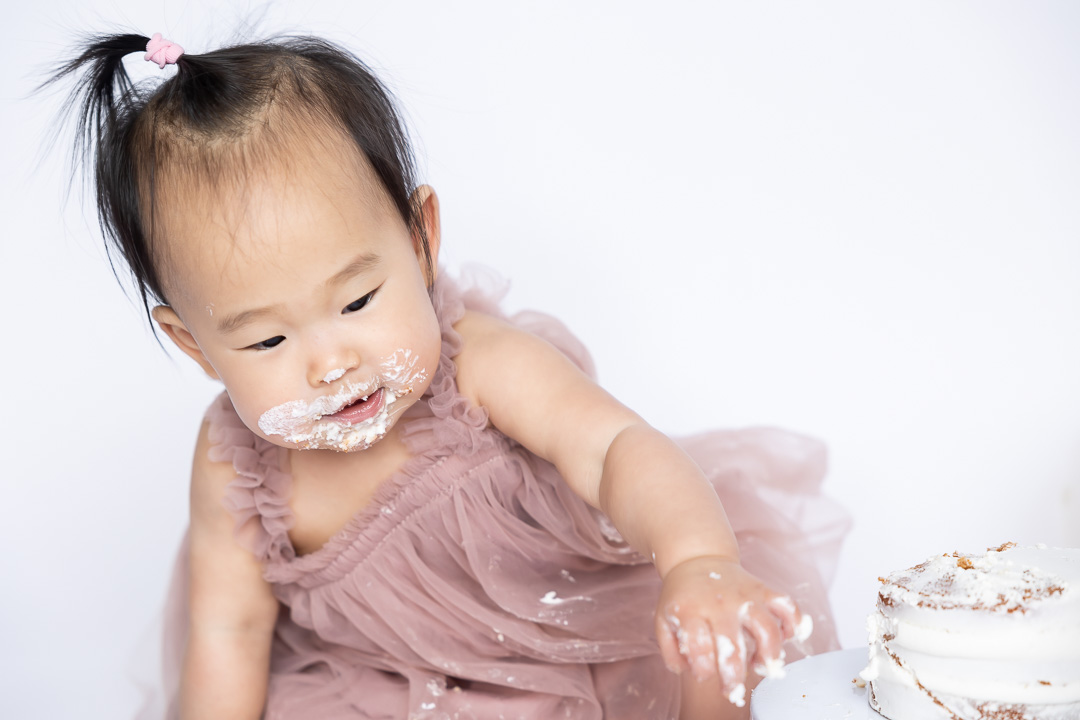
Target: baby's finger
701,648
783,608
797,625
667,629
731,658
765,630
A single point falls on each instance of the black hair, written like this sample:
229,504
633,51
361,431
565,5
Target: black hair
131,129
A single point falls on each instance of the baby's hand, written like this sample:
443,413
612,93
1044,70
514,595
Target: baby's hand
713,616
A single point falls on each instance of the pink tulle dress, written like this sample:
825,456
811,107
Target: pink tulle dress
477,584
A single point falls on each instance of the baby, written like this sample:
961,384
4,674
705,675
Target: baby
404,504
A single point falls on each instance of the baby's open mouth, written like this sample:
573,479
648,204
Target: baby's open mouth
363,409
346,420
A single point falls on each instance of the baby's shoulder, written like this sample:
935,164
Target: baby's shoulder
209,478
496,354
213,528
477,328
227,588
480,336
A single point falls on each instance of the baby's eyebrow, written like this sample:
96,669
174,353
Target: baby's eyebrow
232,323
361,264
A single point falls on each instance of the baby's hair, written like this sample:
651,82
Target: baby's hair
208,110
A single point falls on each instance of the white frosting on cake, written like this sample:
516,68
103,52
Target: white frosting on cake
974,637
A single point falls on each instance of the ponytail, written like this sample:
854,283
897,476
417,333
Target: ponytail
103,87
106,104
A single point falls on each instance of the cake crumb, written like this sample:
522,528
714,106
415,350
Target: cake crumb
1002,547
881,580
1044,682
859,682
964,563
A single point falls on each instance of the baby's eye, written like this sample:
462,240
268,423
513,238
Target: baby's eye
267,344
357,304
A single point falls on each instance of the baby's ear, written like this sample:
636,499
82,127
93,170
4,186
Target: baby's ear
174,327
426,203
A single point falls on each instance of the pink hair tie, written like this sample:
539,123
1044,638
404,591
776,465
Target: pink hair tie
161,51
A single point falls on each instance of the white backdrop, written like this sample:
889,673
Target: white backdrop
860,218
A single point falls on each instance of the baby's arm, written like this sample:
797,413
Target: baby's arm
227,661
653,492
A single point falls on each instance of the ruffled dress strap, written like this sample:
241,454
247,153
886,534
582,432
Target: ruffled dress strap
444,421
258,497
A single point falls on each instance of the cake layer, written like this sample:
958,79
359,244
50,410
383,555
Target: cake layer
1004,679
898,700
1031,636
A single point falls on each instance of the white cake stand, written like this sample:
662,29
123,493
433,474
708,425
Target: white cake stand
816,688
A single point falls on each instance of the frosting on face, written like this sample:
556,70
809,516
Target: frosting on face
310,425
334,375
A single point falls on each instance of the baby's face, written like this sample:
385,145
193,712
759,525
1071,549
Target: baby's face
303,292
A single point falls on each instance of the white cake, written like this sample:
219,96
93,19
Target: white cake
979,637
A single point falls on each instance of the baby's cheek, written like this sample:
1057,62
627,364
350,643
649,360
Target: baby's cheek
250,409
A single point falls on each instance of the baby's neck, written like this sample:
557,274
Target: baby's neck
325,468
330,488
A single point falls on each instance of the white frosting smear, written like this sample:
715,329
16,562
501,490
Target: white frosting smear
737,697
305,424
773,667
725,651
804,629
334,375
